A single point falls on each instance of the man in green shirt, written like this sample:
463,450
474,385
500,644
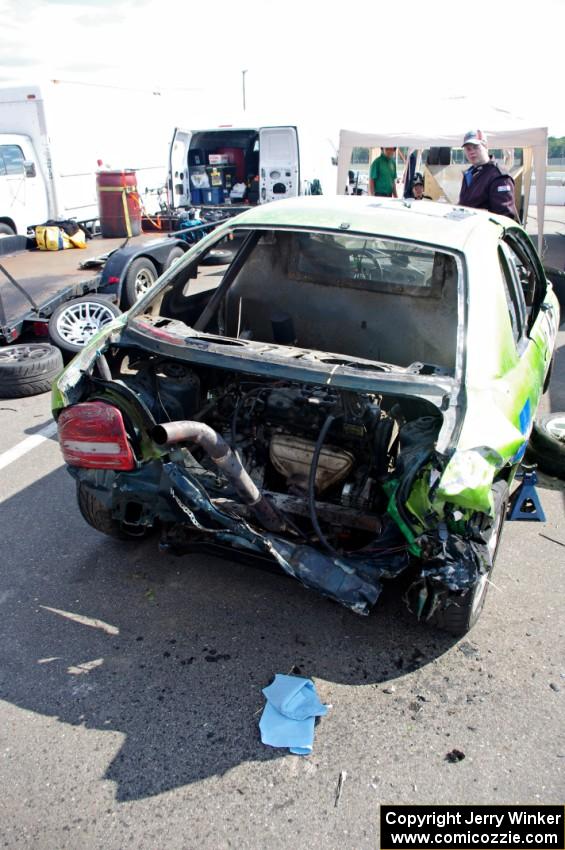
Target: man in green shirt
382,176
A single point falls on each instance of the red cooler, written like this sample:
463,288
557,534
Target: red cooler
119,204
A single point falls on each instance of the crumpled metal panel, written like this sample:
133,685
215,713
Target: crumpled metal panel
352,580
468,478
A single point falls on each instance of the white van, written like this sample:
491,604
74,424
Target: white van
242,166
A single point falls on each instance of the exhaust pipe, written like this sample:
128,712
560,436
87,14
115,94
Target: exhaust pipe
226,460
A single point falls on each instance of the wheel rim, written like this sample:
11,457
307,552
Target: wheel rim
144,280
480,590
556,428
20,353
80,321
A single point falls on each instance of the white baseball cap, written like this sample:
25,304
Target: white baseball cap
475,137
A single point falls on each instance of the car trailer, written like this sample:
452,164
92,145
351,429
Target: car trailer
126,272
67,319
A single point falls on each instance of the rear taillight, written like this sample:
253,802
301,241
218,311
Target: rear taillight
93,435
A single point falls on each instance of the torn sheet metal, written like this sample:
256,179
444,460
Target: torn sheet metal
455,567
68,388
354,580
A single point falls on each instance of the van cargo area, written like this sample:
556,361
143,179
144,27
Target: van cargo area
228,166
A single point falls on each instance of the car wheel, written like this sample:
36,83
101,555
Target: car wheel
140,277
547,444
73,323
174,255
459,612
28,369
6,230
100,517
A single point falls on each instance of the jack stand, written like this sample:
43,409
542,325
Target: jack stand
526,504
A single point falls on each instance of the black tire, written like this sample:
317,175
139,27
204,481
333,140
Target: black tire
459,612
6,230
75,322
174,255
28,369
140,277
218,257
547,443
101,519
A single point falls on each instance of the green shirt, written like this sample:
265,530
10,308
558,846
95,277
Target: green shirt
383,173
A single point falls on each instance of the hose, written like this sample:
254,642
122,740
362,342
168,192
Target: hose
330,419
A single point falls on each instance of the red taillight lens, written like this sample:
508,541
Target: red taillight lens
40,329
148,327
93,435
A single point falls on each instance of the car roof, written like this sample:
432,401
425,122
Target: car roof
422,221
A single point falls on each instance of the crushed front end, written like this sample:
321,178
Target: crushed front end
332,476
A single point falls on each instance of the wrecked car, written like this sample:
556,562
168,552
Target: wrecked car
348,398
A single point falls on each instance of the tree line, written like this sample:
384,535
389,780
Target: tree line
556,146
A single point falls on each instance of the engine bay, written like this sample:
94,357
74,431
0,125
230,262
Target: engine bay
319,454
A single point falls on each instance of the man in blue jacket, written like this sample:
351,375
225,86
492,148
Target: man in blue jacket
485,186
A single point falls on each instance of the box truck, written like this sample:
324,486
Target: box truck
54,137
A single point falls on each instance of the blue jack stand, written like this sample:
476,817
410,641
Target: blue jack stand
526,504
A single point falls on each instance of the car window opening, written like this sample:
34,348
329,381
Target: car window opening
366,297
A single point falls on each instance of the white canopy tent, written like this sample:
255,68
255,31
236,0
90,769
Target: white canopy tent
444,124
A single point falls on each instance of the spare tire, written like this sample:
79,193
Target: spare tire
73,323
218,257
547,443
28,369
174,254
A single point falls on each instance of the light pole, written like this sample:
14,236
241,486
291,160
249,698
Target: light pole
243,73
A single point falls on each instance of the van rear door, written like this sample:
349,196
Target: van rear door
178,182
279,170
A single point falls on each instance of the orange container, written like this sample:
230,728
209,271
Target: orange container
118,203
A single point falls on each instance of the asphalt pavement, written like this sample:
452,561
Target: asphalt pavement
130,683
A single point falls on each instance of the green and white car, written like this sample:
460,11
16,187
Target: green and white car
350,398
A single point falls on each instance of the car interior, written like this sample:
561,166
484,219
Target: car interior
376,299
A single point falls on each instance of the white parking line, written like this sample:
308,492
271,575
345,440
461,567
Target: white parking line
27,445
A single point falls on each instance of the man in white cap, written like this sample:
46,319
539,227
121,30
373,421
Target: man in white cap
485,186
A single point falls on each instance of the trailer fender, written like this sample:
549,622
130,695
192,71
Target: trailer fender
114,273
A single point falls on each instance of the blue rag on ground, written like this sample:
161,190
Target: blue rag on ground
289,715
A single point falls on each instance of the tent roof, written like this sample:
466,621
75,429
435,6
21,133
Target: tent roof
443,124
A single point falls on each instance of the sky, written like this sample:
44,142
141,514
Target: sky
333,66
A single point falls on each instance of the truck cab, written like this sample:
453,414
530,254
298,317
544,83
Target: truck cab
23,196
233,166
